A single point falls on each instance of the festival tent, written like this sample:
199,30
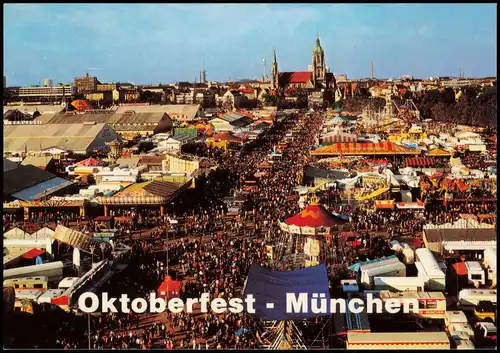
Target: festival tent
270,289
314,216
361,149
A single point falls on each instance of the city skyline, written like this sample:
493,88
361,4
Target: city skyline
173,42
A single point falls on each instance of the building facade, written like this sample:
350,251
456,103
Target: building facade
87,84
39,93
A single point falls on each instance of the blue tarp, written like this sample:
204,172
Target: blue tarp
357,265
42,189
268,286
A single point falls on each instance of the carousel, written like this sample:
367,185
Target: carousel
308,236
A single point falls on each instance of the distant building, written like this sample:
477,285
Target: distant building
87,84
37,94
106,87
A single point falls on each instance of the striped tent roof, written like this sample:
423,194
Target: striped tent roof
315,216
359,149
339,138
420,162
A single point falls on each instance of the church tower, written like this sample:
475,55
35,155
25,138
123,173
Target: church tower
318,63
274,72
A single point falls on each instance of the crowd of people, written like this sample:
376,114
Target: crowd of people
211,252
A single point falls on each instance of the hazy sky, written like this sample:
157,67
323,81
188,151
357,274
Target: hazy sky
152,43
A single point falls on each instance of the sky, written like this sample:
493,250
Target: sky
163,43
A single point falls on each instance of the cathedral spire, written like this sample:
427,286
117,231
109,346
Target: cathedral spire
274,71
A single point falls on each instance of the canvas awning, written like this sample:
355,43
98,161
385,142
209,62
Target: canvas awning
420,162
33,253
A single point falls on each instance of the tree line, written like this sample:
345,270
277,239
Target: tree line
473,106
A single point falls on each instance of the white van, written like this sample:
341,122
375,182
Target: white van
475,273
469,298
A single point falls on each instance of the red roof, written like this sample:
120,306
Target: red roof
460,268
90,162
297,77
170,288
314,216
247,90
420,162
33,253
226,136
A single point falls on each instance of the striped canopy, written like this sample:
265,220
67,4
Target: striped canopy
420,162
360,149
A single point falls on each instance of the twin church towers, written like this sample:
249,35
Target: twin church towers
316,77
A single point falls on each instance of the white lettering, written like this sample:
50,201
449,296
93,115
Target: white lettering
124,300
334,302
356,305
153,302
250,300
82,305
236,305
219,305
107,304
322,309
175,305
296,305
139,309
392,306
205,297
189,304
371,302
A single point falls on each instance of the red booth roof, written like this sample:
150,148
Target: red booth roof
170,288
460,268
91,162
33,253
314,216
